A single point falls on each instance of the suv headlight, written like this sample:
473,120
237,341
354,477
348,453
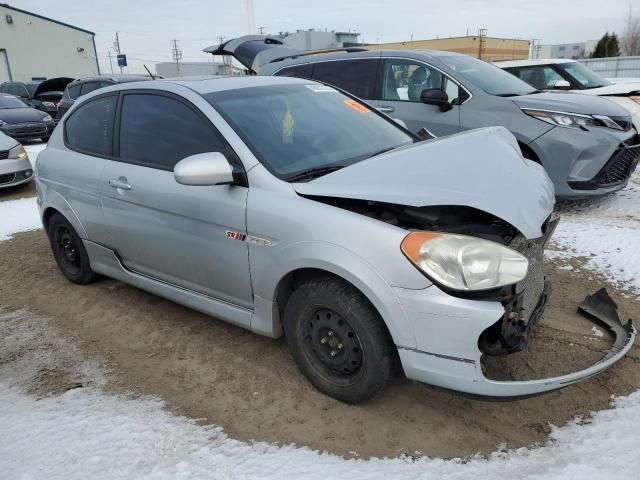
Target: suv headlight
17,153
572,120
464,263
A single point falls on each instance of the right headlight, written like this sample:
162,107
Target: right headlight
572,120
464,263
17,153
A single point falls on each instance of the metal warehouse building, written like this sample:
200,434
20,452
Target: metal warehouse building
34,47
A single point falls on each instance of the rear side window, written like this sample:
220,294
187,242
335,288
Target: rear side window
158,131
355,76
89,128
73,91
89,87
299,71
4,88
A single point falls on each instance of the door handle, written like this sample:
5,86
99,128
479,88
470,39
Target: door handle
384,108
119,183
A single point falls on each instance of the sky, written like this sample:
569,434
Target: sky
147,27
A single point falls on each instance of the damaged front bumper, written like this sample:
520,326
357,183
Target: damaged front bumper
448,356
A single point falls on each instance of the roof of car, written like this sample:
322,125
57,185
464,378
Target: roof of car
533,61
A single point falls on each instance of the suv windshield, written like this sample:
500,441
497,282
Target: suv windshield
489,78
11,102
304,131
583,76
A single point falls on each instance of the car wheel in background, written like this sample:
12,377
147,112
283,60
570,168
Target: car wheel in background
338,340
69,251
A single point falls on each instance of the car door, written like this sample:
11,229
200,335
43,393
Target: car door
400,83
175,233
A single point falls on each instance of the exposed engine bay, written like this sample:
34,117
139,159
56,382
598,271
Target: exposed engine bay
524,302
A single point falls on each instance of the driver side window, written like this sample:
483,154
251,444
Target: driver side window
404,80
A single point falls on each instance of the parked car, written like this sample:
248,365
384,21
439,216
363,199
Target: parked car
15,167
586,144
572,76
82,86
39,94
22,122
283,205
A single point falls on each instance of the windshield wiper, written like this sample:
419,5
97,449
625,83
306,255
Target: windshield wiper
313,173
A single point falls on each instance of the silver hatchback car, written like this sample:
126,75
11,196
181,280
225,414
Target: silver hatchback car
284,206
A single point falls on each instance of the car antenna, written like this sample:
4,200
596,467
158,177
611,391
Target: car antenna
149,71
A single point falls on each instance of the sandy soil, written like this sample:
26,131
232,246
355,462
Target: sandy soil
220,374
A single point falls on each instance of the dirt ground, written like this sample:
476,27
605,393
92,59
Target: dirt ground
22,191
217,373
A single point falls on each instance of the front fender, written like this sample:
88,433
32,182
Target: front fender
269,268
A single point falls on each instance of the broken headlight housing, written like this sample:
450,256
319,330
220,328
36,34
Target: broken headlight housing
464,263
573,120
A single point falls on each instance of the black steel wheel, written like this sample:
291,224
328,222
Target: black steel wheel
338,340
69,251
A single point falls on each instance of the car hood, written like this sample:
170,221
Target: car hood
20,115
57,84
569,102
482,169
622,88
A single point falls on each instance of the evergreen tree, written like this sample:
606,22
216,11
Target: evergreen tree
607,46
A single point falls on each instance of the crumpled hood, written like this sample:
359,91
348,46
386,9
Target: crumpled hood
621,88
20,115
481,168
570,102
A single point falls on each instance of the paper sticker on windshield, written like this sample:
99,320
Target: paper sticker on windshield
356,106
320,88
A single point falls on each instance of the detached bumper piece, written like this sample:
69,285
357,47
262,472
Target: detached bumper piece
616,171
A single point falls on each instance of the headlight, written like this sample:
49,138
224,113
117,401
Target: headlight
47,118
635,98
464,263
572,120
17,153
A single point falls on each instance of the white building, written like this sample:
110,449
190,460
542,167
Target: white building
187,69
33,47
317,39
574,51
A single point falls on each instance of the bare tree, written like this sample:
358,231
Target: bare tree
630,39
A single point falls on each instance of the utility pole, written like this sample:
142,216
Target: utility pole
482,37
250,18
110,64
177,54
261,30
116,47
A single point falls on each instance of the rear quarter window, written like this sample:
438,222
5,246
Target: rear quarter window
355,76
298,71
73,91
89,128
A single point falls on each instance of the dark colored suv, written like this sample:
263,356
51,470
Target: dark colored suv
82,86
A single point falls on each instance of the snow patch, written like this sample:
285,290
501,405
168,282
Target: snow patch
18,216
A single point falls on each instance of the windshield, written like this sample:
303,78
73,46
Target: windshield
11,102
583,76
303,131
489,78
32,87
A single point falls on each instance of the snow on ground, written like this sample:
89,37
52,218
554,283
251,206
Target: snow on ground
90,433
33,149
18,216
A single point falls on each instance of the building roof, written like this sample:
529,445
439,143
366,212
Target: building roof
46,18
533,61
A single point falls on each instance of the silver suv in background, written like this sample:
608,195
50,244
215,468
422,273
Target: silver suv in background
587,145
284,206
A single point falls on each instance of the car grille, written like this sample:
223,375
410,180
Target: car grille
533,284
616,171
4,154
620,167
25,128
7,178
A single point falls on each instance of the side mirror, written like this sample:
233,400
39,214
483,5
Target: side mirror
562,85
211,168
436,96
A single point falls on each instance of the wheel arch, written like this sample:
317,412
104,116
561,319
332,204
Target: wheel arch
56,203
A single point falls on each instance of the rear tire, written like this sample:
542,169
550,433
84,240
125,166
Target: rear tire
338,340
69,251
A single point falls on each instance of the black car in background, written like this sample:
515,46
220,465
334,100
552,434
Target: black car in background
39,94
22,122
82,86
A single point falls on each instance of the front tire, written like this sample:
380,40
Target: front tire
69,251
338,340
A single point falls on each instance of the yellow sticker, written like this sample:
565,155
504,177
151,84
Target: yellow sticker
356,106
287,127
